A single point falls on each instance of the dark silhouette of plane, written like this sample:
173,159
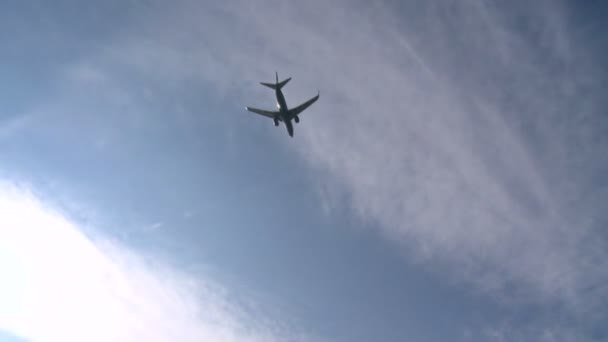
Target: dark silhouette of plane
283,114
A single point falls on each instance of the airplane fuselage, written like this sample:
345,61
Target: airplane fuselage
284,111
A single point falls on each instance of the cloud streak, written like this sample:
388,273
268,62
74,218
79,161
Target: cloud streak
471,133
473,139
59,285
469,136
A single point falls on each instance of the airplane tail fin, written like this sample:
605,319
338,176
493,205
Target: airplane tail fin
277,85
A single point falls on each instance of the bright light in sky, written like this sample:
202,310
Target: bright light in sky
57,285
450,184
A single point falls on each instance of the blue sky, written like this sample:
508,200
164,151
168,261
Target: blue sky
449,184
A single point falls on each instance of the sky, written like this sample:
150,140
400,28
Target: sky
449,184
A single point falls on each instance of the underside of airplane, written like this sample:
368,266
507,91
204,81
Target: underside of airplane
283,114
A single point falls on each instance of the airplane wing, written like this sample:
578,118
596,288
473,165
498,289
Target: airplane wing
266,113
299,109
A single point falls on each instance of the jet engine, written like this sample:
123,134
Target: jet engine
276,122
296,119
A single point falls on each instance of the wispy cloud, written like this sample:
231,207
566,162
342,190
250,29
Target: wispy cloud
471,132
453,126
60,285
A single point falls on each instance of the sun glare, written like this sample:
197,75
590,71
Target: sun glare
50,271
57,285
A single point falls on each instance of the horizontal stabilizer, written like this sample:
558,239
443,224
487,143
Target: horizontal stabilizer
277,84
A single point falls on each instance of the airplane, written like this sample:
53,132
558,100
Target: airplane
283,114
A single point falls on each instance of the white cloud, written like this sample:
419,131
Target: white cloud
59,285
474,140
470,139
